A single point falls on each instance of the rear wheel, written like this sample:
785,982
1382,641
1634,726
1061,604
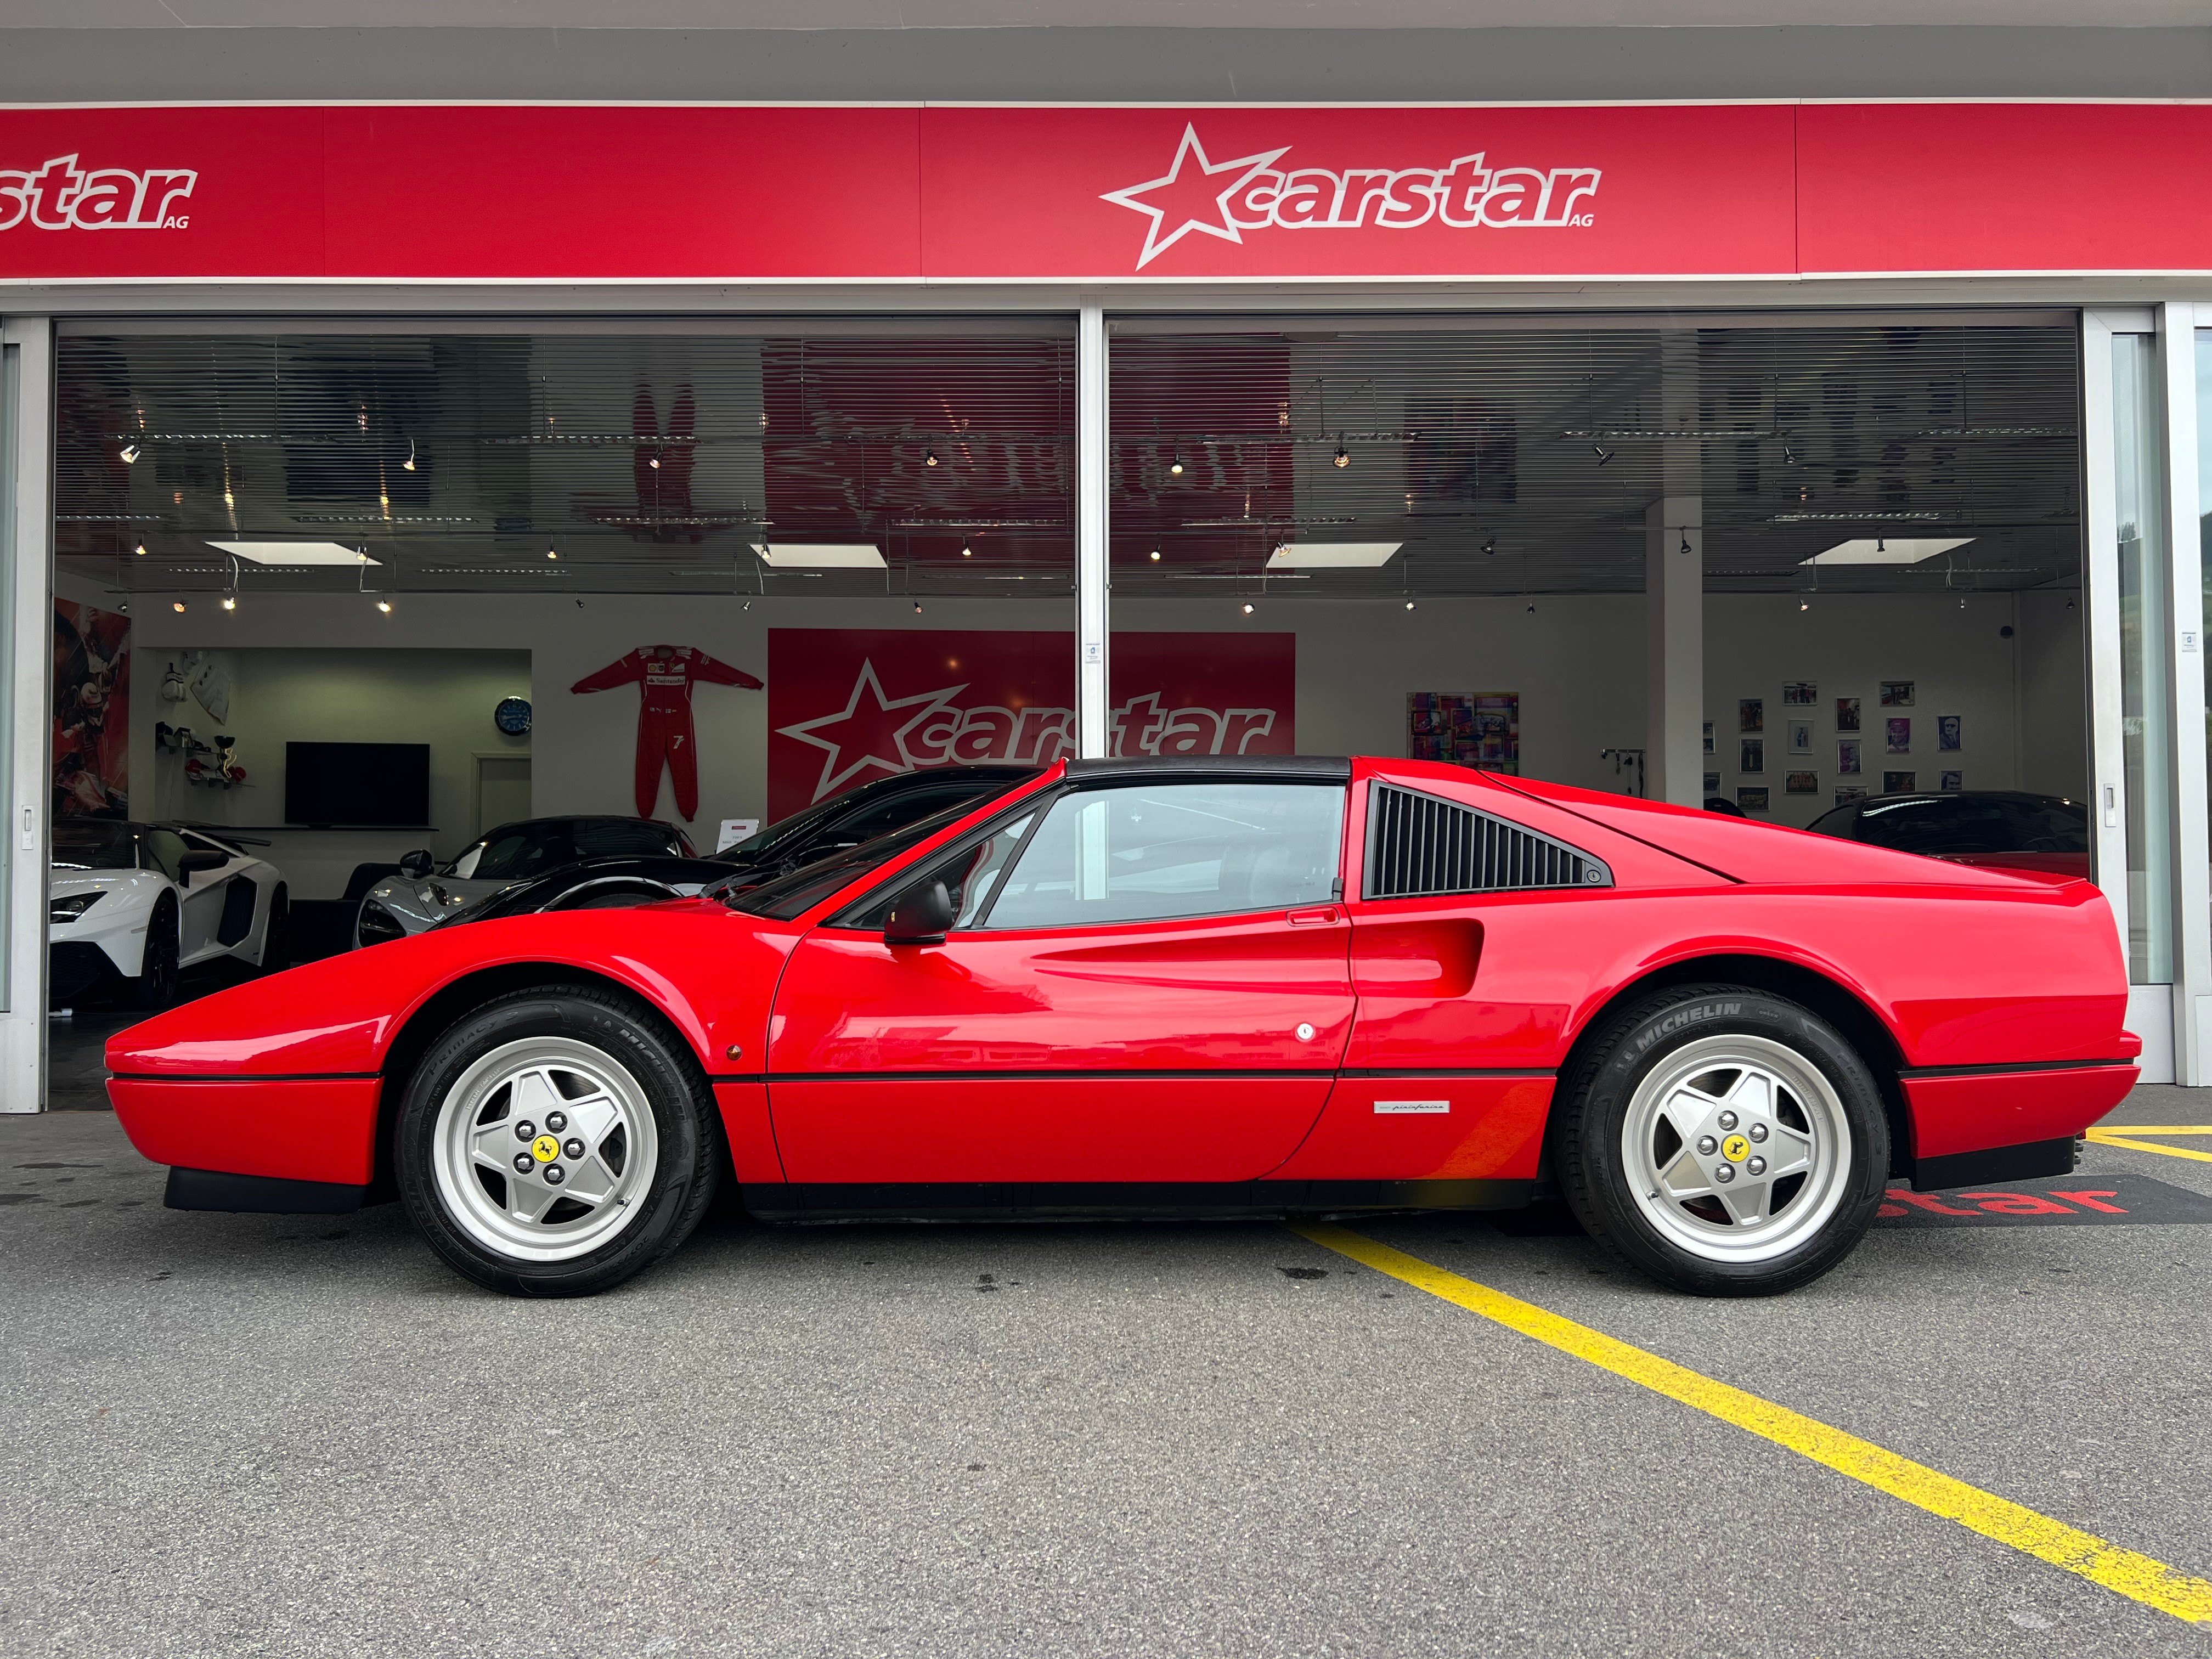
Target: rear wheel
1725,1141
156,986
557,1142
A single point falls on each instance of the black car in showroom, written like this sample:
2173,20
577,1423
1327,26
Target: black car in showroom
2000,828
827,827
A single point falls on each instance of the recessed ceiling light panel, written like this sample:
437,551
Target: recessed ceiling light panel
1887,549
294,553
1332,555
820,555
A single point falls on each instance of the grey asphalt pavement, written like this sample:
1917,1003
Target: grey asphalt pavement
268,1435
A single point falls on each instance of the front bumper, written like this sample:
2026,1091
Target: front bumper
320,1129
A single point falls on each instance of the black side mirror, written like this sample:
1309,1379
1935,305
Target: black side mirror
190,863
921,915
417,864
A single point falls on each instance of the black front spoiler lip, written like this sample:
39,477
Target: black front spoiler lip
245,1195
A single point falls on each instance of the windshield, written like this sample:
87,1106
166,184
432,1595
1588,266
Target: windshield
794,893
507,854
775,835
94,844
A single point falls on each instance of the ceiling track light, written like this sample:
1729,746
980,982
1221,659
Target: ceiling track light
1156,555
1341,458
1174,466
1491,546
1409,604
384,605
141,550
917,607
1248,608
1685,547
176,604
1602,453
1788,456
929,458
552,552
230,603
966,551
408,466
127,454
653,460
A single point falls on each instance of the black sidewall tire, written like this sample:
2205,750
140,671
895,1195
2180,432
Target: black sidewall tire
158,970
1586,1144
685,1120
276,933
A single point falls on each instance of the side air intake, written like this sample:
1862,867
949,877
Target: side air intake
1418,845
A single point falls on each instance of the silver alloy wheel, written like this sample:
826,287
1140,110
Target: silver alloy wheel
1737,1148
574,1180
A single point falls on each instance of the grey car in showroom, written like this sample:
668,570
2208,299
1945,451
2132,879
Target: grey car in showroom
425,892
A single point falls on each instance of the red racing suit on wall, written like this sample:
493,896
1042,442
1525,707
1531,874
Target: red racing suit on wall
664,675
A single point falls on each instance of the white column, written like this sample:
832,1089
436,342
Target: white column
1091,622
2192,881
2101,624
1675,650
26,613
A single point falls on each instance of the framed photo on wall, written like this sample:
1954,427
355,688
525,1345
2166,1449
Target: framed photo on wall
1709,738
1948,730
1750,713
1712,783
1847,754
1899,783
1845,797
1801,783
1953,782
1753,757
1800,737
1847,713
1897,694
1752,800
1482,731
1897,737
1800,694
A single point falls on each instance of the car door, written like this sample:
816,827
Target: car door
1146,980
207,900
1479,918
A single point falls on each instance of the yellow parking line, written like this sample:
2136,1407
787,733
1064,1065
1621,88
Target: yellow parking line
2137,1577
2152,1129
2107,1138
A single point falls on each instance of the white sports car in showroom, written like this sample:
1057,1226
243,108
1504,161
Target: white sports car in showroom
131,906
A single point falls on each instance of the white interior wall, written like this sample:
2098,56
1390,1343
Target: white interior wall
280,695
1578,663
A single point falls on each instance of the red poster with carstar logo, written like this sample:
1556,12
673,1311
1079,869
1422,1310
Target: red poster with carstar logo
846,706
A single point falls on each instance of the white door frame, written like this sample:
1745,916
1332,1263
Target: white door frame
27,610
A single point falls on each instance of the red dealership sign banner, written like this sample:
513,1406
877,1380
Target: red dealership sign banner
910,193
846,706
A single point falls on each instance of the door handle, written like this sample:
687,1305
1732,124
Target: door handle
1326,915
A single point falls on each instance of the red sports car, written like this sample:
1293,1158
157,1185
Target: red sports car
1250,987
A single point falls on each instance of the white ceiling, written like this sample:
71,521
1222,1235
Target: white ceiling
1148,14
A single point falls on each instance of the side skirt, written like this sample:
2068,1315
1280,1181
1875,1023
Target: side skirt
1074,1201
2029,1161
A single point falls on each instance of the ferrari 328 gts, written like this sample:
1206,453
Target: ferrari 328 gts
1248,986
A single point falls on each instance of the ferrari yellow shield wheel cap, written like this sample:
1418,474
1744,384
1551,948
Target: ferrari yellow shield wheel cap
1735,1149
545,1149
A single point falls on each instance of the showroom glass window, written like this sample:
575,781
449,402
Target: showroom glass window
2145,629
1194,849
2204,494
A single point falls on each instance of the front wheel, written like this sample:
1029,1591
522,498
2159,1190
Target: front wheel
557,1142
159,972
1725,1141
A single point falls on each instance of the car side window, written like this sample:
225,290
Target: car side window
970,874
898,810
163,848
1152,853
1419,846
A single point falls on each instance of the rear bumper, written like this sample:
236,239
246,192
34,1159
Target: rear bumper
319,1129
1978,1126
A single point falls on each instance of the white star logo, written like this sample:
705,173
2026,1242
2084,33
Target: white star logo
879,728
1198,184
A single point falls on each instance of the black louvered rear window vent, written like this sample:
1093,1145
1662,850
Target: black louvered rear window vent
1418,845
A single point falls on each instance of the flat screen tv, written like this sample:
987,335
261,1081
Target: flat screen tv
358,785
